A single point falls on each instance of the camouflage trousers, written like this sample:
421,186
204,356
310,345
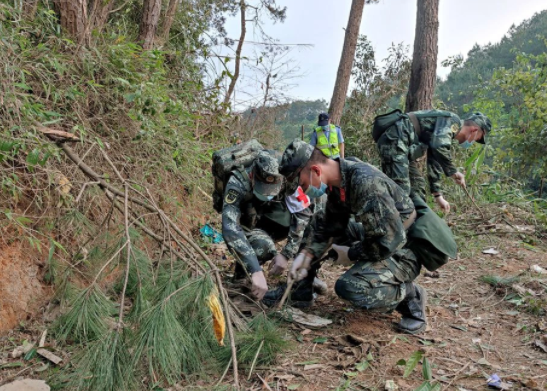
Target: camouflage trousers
263,245
377,286
399,161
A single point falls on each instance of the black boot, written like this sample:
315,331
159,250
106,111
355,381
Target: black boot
301,295
412,308
320,287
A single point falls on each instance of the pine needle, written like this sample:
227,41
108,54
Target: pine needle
86,319
104,366
264,335
497,281
163,342
140,272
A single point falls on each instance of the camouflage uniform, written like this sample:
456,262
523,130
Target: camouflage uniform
376,236
252,224
400,147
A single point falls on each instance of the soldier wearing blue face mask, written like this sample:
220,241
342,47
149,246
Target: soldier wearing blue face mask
378,230
409,136
256,213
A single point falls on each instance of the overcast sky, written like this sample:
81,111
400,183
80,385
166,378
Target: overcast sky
321,23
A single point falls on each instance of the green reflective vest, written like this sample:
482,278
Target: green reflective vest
329,147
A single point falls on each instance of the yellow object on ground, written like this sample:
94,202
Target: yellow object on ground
219,324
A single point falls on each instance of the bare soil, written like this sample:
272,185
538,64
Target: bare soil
22,291
473,332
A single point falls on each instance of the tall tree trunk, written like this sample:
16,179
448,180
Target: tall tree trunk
424,61
29,9
149,23
169,18
235,76
346,61
73,15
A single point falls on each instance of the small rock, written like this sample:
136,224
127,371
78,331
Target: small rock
532,384
538,269
390,385
26,385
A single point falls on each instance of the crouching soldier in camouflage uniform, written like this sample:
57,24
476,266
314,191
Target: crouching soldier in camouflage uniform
433,131
382,272
255,214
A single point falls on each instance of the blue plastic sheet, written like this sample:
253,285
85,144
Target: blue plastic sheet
211,234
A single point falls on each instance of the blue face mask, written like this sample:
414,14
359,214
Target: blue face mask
326,128
270,198
466,144
314,192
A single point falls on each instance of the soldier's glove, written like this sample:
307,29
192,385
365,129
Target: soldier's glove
300,266
342,257
279,265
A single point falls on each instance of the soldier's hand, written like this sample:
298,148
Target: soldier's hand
342,255
459,178
300,266
443,204
259,286
278,265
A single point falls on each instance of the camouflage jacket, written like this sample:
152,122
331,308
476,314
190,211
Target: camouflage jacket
376,202
440,127
242,211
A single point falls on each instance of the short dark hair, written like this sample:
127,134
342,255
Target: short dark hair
317,157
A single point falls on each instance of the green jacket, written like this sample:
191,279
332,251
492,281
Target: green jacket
243,211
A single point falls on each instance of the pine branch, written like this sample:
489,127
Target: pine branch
152,208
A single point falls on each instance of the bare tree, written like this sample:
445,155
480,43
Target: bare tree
169,18
73,15
346,61
424,59
151,11
235,76
275,13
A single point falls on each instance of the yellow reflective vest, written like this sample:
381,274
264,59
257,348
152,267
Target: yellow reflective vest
329,147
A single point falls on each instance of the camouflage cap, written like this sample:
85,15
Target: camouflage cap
266,178
483,122
294,159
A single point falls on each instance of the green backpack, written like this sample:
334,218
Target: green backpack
382,122
231,160
430,238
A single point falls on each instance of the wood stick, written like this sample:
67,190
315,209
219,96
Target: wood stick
254,360
474,203
290,283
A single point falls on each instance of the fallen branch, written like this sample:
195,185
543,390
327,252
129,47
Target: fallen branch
107,187
473,200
